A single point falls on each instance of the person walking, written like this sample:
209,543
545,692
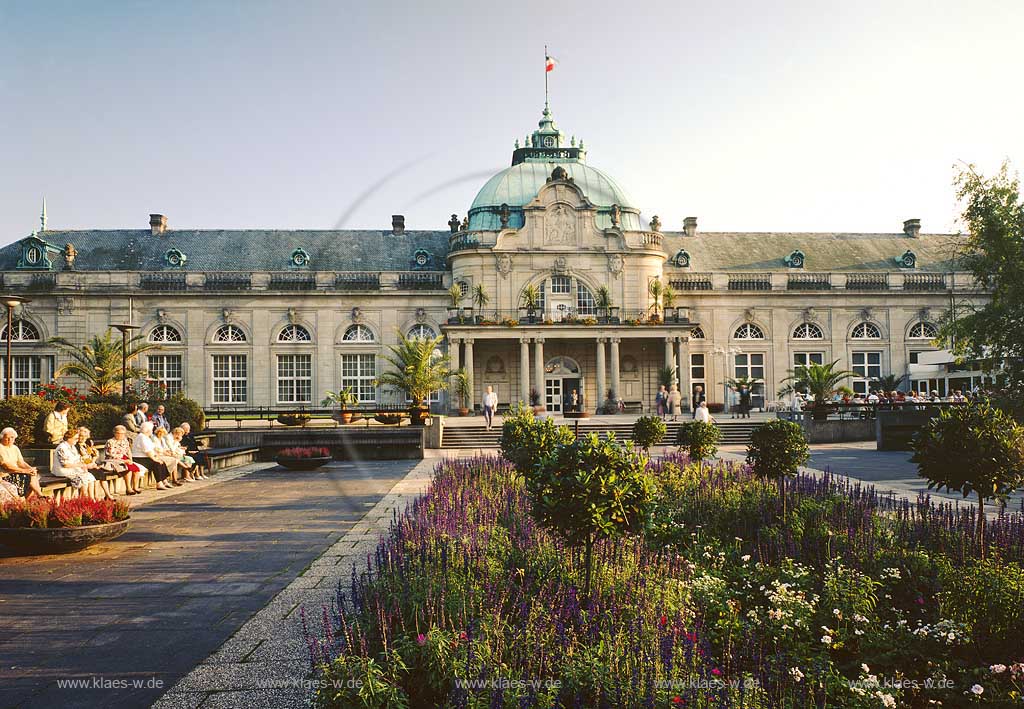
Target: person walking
698,399
674,401
660,399
744,402
490,406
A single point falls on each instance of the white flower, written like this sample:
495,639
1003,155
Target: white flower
858,631
977,689
887,700
837,613
745,558
997,669
796,673
864,668
826,639
951,637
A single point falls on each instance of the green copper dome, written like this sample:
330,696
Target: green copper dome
516,186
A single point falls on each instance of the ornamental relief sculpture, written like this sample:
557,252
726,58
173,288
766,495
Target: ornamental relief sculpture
615,265
503,264
560,225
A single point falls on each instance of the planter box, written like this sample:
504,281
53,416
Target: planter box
302,463
61,540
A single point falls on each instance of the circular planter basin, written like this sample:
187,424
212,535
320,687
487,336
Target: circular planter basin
388,419
302,463
61,540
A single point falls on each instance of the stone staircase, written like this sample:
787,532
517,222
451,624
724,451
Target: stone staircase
734,432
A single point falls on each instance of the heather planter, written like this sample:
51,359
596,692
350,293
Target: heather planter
60,540
303,463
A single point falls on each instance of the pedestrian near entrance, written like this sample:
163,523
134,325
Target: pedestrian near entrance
698,398
702,414
675,399
490,406
660,400
744,402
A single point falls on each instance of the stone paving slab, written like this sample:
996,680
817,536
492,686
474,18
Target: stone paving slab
274,634
197,563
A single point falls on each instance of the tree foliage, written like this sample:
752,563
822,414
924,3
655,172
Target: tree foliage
817,380
993,332
98,361
525,440
975,449
700,440
417,368
648,431
776,451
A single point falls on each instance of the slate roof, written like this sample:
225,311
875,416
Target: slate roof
241,250
765,251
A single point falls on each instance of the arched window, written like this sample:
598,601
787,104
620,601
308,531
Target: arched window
923,331
421,332
164,333
585,302
748,331
21,331
866,331
697,333
229,333
294,333
808,331
358,333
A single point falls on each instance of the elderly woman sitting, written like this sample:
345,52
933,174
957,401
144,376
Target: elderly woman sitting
12,462
172,441
91,457
146,450
118,455
67,463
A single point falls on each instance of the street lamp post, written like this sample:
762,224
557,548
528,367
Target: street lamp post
125,328
726,353
11,301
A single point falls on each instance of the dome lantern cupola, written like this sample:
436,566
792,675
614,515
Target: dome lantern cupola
548,144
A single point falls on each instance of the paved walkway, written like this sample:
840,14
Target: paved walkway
133,616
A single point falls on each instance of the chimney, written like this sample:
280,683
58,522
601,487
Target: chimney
157,224
397,224
912,228
690,226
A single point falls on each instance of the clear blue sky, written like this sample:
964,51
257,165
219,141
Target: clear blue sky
752,116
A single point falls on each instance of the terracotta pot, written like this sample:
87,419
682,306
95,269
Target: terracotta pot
343,417
417,414
463,411
61,540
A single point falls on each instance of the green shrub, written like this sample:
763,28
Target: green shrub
776,451
352,681
986,596
591,489
179,409
700,439
526,439
648,431
100,419
25,414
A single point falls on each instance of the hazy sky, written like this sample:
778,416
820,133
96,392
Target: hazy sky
752,116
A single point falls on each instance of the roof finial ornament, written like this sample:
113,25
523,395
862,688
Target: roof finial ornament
42,217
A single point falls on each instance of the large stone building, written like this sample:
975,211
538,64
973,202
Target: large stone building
275,318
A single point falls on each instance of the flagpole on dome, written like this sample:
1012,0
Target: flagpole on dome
547,60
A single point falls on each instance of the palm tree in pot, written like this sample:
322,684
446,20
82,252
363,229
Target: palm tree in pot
343,399
890,382
603,302
657,291
668,299
480,300
819,381
529,299
463,390
418,368
455,297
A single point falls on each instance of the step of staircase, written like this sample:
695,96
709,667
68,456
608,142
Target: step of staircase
733,433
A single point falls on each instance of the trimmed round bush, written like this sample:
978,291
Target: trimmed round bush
700,439
179,409
648,431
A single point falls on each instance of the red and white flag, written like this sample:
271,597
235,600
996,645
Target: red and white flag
549,63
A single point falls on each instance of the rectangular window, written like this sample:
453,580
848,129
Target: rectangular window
561,284
230,379
295,379
697,366
25,376
866,366
802,359
358,371
750,365
166,369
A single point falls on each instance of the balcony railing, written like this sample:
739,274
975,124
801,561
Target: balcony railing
924,282
754,281
162,281
228,281
420,281
564,317
809,281
867,281
463,241
692,281
357,281
293,281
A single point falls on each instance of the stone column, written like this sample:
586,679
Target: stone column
469,373
524,370
454,345
601,368
538,367
668,352
615,366
684,371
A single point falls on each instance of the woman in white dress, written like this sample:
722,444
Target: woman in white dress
146,450
67,463
172,441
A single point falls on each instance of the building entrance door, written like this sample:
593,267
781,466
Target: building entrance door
561,378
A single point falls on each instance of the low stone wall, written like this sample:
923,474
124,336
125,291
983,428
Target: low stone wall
345,442
895,429
832,430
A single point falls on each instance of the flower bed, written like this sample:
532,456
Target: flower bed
851,600
45,526
304,457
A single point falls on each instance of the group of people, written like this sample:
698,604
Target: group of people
142,442
668,402
879,396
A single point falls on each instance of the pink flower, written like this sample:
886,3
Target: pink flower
421,639
919,601
463,636
716,672
663,621
678,700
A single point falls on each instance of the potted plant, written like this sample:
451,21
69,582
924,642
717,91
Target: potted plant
418,369
343,399
535,402
455,297
295,418
480,300
819,381
656,290
603,302
303,457
463,390
43,526
529,300
668,299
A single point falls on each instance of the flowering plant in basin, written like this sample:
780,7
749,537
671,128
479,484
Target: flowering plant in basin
49,514
302,452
